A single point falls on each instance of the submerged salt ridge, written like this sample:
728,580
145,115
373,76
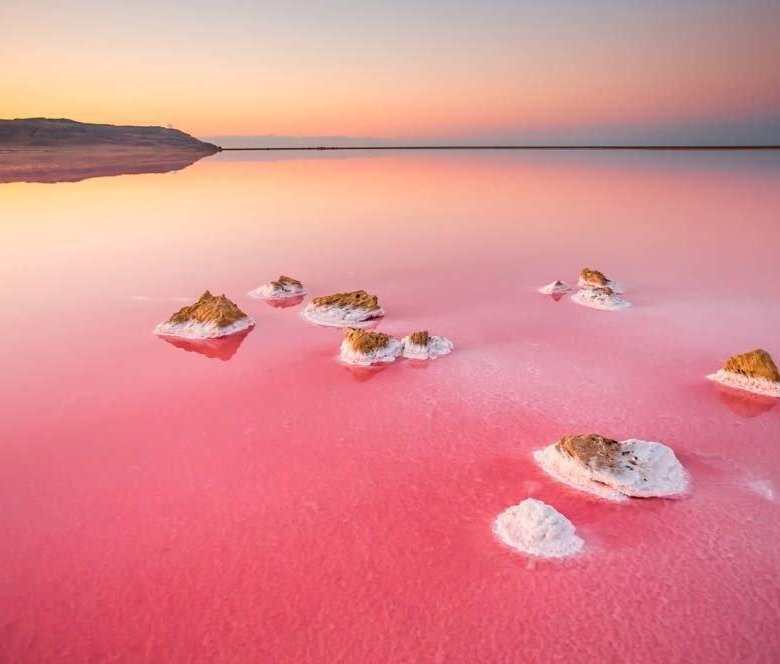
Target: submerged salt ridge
536,529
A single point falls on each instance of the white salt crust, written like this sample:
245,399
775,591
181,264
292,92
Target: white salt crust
437,346
656,473
537,529
379,356
589,297
270,292
555,288
614,285
196,330
741,382
334,316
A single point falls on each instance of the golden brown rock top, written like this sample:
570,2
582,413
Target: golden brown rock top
284,281
419,338
593,277
756,364
366,341
591,450
215,309
358,299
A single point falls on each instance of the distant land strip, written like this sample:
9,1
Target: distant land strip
657,148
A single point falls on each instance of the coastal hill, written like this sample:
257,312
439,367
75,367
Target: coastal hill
43,150
47,133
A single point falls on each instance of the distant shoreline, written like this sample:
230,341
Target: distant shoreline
657,148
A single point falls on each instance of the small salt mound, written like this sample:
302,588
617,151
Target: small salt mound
604,299
282,288
643,469
356,309
754,384
433,348
555,288
366,348
537,529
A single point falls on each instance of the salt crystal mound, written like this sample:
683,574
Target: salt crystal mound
604,299
643,469
422,346
356,309
211,317
537,529
283,288
364,348
754,371
555,288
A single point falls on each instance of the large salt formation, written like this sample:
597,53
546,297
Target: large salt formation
754,372
353,309
284,287
423,346
595,279
537,529
612,469
364,347
212,316
602,297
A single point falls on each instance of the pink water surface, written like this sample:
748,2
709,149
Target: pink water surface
255,501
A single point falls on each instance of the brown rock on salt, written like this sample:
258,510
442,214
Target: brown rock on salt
755,364
366,341
593,277
355,299
284,281
215,309
591,450
420,338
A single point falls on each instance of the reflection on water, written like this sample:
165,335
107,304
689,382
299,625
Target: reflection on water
745,404
285,303
223,348
81,163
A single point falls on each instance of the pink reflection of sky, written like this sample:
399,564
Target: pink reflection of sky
276,506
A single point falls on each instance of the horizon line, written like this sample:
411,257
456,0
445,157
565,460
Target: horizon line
507,147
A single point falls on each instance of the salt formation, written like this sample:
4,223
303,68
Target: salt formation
363,347
283,287
422,346
603,298
537,529
555,288
613,470
754,372
595,279
212,316
354,309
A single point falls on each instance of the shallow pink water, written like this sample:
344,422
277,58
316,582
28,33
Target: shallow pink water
262,502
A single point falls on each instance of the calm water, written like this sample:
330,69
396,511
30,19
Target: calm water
255,500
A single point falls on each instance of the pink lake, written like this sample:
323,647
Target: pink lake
264,503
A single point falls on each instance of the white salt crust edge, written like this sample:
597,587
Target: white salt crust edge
333,316
658,473
537,529
747,383
437,346
378,356
590,298
553,289
196,330
614,285
268,292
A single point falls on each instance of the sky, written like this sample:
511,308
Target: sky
489,70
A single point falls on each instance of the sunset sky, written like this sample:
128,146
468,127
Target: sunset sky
395,68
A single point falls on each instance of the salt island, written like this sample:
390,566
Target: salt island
351,309
614,470
754,371
211,317
284,287
537,529
423,346
364,347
